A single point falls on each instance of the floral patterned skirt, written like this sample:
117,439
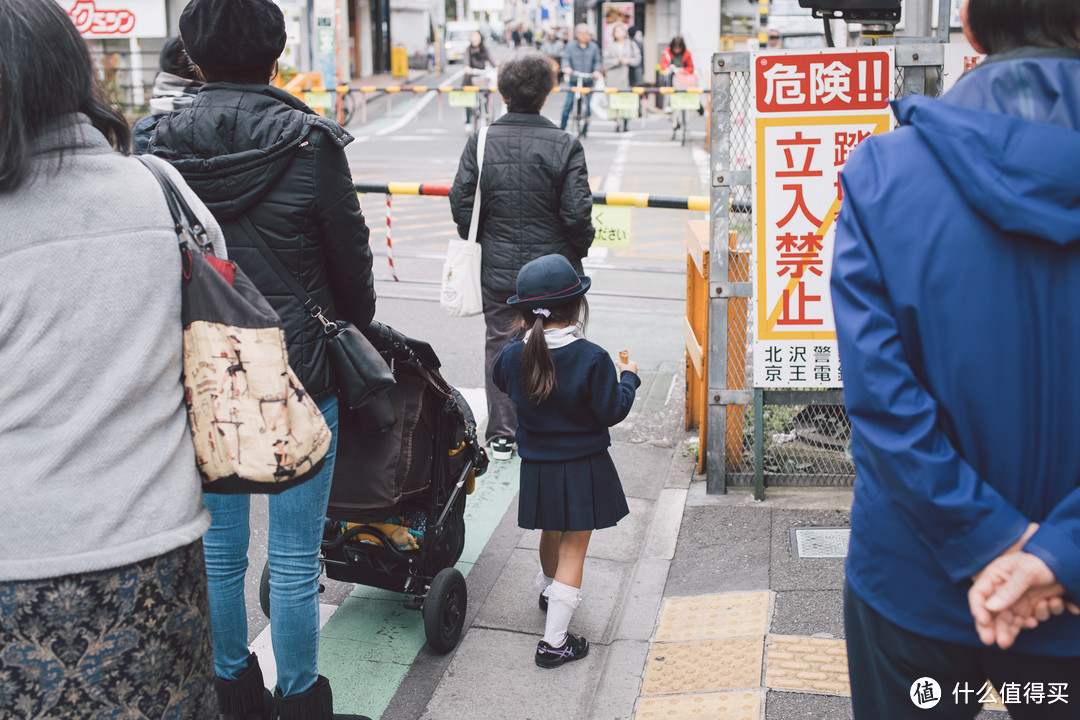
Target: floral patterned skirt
132,642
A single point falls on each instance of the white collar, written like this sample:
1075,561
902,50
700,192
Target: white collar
559,337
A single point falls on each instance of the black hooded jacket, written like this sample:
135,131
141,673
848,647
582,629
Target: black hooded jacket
257,150
535,197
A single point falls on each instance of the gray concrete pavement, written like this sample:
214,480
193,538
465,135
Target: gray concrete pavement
679,545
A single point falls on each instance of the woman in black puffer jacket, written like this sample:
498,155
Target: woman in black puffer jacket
247,148
535,201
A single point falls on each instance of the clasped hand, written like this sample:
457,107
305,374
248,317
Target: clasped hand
1016,591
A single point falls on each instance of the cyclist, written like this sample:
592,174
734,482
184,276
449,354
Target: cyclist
675,59
582,56
476,58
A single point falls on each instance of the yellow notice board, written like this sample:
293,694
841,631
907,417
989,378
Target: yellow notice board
612,225
319,100
462,98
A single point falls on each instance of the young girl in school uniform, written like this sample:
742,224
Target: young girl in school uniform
568,392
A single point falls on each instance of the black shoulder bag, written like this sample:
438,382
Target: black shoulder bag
360,371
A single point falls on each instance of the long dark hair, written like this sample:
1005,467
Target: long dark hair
536,360
45,73
1003,25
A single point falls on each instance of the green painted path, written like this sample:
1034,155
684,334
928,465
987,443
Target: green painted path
368,645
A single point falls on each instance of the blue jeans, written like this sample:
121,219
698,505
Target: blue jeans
571,96
297,516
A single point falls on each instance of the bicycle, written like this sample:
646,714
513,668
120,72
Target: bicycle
680,81
346,105
581,108
483,107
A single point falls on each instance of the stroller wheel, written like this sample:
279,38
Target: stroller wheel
444,610
264,589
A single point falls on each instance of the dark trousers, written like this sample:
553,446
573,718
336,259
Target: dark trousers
502,327
885,661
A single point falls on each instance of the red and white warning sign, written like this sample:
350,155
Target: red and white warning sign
812,110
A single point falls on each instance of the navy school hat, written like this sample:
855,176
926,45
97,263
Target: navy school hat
233,35
548,281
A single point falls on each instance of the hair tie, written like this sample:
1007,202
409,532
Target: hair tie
542,311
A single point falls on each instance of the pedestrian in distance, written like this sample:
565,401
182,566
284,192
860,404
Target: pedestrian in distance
964,559
476,58
637,72
581,56
257,155
103,593
621,56
553,47
175,87
568,392
535,201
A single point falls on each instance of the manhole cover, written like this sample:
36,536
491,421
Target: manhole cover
820,542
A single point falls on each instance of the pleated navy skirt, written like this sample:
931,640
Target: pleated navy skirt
583,494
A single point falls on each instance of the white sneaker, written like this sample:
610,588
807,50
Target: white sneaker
667,110
502,449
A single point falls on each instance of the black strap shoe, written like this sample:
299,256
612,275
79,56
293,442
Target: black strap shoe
573,648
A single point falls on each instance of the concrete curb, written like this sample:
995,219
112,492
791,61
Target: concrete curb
620,680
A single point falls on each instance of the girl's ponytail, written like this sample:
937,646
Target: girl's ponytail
538,365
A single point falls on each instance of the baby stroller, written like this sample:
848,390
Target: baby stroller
404,466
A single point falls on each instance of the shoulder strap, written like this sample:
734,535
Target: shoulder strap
282,272
184,218
474,223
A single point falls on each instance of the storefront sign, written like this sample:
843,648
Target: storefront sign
118,18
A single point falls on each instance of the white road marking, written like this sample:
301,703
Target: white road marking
410,115
264,647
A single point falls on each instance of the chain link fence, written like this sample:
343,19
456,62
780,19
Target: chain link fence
805,435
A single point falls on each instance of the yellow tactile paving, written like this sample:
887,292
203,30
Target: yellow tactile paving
706,706
714,616
703,666
804,664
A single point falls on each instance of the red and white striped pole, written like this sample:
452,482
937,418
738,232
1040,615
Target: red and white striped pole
389,243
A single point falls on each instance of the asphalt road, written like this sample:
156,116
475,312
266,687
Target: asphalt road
637,301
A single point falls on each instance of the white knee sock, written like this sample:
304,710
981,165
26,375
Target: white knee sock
543,582
562,601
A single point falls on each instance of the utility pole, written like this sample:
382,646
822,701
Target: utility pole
917,24
917,18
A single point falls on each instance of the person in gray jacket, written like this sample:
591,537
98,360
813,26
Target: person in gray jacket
103,592
581,56
535,200
175,86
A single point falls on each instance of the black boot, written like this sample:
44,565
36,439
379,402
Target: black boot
245,698
315,703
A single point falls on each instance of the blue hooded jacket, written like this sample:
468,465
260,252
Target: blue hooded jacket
956,290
